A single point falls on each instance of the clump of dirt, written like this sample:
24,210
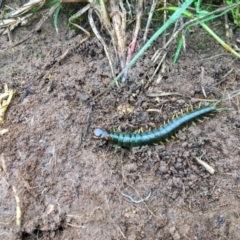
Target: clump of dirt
71,187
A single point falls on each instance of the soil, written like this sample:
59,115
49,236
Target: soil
72,187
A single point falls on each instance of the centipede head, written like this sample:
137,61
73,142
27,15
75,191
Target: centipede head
100,133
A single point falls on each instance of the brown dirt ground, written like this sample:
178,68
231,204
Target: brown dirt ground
70,187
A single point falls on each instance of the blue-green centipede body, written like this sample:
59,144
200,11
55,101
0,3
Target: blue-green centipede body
157,135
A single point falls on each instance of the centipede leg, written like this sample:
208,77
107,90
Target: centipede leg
165,132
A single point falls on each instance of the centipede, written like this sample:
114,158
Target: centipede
161,134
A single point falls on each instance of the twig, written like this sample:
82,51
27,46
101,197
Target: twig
205,165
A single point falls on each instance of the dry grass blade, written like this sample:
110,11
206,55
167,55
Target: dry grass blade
7,25
77,15
93,26
5,103
149,20
154,110
104,18
135,35
104,14
7,22
43,19
163,94
26,8
205,165
119,28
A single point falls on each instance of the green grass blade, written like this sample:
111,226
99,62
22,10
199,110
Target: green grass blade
52,3
171,20
179,47
55,17
215,36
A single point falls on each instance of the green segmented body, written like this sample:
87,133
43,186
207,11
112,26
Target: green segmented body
157,135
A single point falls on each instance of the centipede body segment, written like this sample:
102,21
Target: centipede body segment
158,135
